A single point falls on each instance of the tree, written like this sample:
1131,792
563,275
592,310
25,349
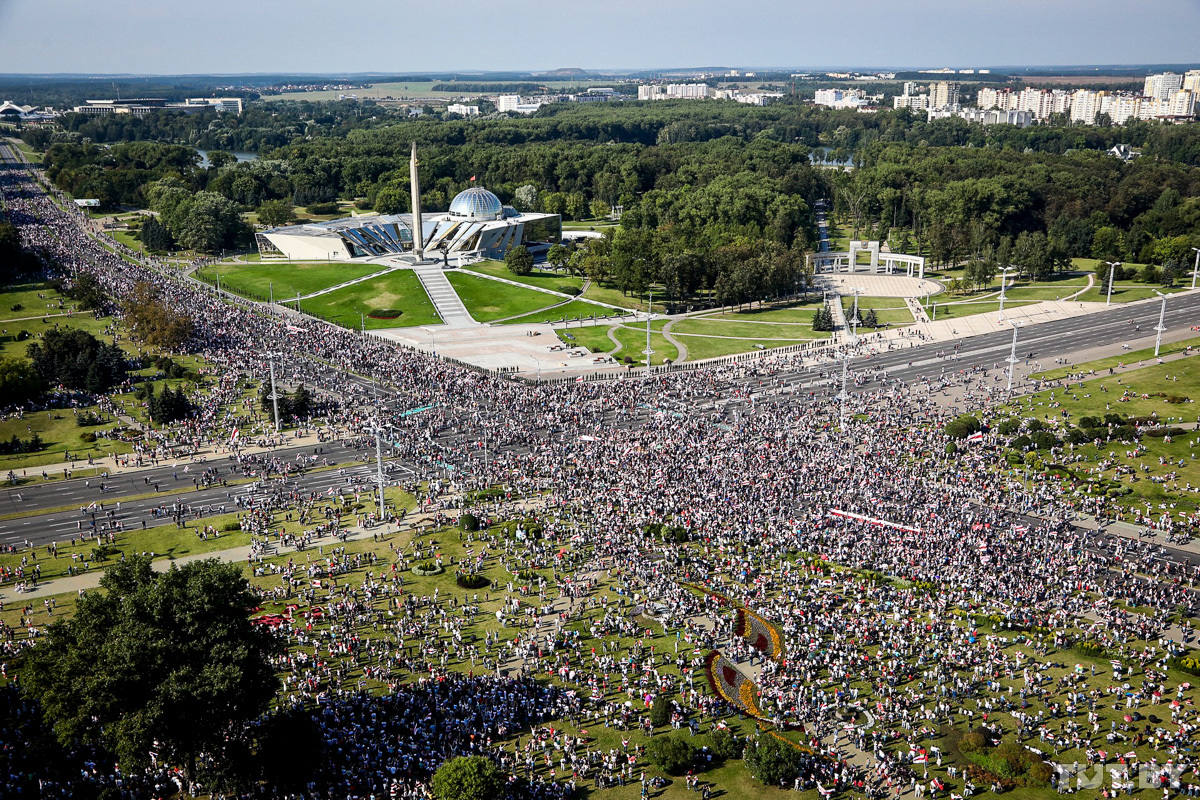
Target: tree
157,661
77,360
519,260
671,754
557,255
153,321
169,406
300,403
19,381
155,236
525,198
771,761
274,213
87,292
467,778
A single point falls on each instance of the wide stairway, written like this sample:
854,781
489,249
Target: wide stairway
445,300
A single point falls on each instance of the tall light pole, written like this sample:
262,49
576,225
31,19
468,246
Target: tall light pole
1112,271
1012,357
1196,268
1162,315
854,317
649,314
1003,286
274,393
843,396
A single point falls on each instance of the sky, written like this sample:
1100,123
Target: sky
395,36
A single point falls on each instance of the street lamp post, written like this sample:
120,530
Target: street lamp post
1012,357
1196,268
1162,315
1112,271
649,314
1003,286
274,393
854,318
842,396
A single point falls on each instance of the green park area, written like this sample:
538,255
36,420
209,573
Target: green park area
539,278
283,280
1143,416
489,300
397,300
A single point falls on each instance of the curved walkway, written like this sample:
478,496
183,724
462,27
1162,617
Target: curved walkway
680,346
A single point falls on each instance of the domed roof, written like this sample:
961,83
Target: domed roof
477,203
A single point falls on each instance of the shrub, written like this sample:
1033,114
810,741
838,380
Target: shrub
1044,440
88,436
1090,649
321,209
951,448
468,522
963,426
771,761
660,711
427,568
725,745
471,580
1011,758
1021,443
1007,427
671,754
972,742
467,778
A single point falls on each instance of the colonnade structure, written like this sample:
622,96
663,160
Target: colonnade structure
880,264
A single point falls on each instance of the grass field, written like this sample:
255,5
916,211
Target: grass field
571,310
1163,473
1126,292
396,291
968,308
489,300
789,312
542,279
256,280
887,309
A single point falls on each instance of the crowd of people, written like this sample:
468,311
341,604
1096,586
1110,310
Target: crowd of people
881,564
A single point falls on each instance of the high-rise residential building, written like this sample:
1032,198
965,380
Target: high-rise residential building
1191,81
944,94
1180,104
917,102
1162,85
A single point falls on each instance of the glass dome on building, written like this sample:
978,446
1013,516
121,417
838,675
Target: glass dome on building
477,204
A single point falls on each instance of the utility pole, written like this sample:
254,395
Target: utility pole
1003,286
1112,271
843,396
1162,314
1196,268
1012,358
379,467
297,302
274,393
272,291
649,314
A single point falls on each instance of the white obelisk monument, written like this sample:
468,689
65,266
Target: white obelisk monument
418,245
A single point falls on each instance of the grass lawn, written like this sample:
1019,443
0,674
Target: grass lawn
255,281
1126,292
615,297
25,300
1139,393
968,308
571,310
633,342
788,312
59,435
489,300
701,347
396,291
542,279
716,326
593,337
887,309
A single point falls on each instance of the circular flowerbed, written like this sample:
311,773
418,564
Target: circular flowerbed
385,313
471,580
427,568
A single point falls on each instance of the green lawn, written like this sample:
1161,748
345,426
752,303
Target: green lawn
789,312
887,309
593,337
633,342
1138,393
24,300
1130,357
615,297
542,279
255,280
489,300
716,326
60,434
570,310
400,290
1126,292
968,308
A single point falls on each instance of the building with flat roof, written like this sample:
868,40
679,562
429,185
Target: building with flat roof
477,224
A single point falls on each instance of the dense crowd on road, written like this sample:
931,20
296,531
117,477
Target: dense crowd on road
922,544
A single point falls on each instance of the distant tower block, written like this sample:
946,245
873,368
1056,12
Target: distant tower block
417,232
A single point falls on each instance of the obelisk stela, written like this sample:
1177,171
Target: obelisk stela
418,245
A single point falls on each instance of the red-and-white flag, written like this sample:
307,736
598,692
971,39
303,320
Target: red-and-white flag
579,379
234,436
472,177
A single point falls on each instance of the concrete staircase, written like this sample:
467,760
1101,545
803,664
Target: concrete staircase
445,300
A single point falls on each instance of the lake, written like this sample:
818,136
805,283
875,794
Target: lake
240,156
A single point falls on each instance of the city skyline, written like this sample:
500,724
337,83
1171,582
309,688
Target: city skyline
221,37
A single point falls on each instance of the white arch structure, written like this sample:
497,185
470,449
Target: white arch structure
881,263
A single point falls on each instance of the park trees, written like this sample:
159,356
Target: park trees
557,255
519,260
155,236
157,662
153,320
77,360
770,760
202,221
